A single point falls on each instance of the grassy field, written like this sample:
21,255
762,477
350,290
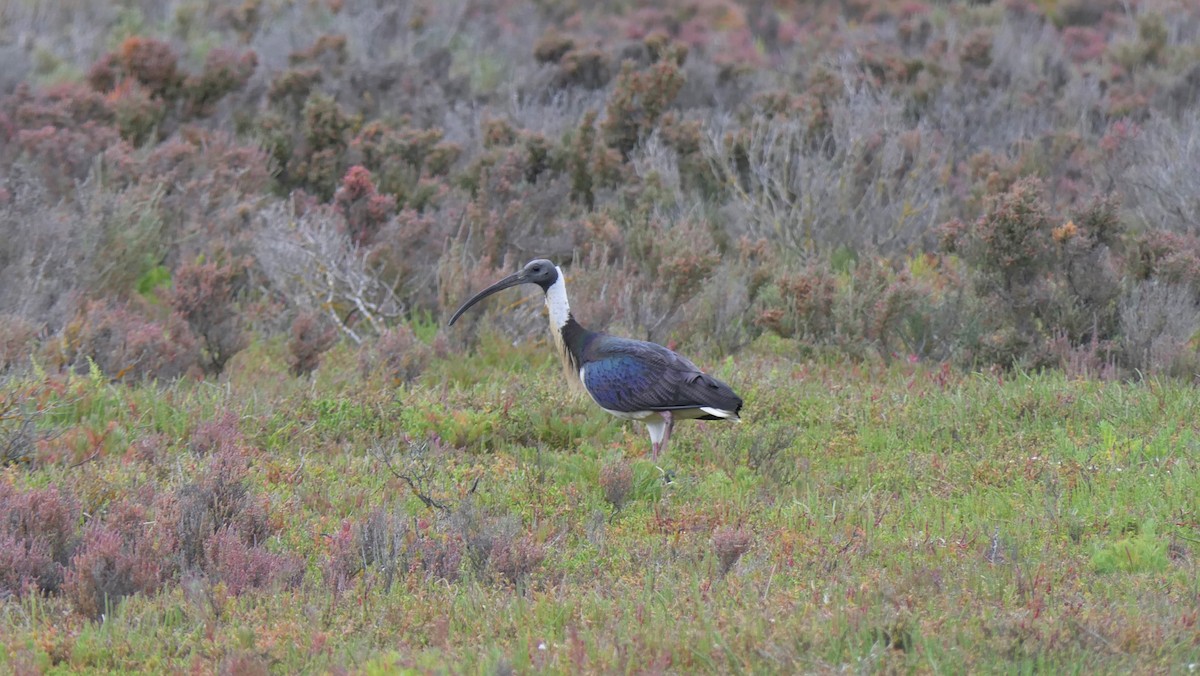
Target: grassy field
861,519
946,250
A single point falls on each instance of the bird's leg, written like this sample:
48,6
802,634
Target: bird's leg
670,424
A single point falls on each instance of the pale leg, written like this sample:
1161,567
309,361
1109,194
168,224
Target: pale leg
660,425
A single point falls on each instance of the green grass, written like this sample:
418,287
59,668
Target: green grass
901,520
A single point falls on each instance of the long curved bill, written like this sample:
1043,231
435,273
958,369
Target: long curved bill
507,282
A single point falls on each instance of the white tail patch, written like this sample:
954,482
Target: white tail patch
721,413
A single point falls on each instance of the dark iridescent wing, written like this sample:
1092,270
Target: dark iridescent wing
631,375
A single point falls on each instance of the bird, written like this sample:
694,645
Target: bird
630,379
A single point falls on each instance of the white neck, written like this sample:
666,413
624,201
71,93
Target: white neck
556,302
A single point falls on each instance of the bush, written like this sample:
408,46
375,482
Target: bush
616,479
730,544
234,560
38,535
364,209
312,335
16,340
218,500
383,546
206,296
126,345
397,354
1034,277
109,567
219,435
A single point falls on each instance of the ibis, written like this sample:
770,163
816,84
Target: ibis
631,379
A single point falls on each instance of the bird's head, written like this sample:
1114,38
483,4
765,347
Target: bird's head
540,271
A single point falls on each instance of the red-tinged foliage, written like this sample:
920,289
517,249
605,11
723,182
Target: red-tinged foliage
363,208
138,113
206,296
312,335
383,547
225,71
1170,256
218,435
397,355
64,155
16,340
515,560
26,566
1083,44
328,50
639,99
68,106
931,117
218,499
730,544
437,556
802,305
244,663
616,480
38,534
127,345
109,566
234,560
153,63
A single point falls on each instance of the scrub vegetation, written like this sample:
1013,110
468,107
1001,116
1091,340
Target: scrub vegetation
948,253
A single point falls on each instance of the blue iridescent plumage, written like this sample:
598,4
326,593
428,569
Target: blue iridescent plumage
628,376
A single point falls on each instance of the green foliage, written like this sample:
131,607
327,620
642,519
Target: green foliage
1140,551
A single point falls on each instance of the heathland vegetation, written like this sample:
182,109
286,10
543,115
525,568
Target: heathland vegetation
949,253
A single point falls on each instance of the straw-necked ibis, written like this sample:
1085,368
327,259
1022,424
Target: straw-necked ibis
631,379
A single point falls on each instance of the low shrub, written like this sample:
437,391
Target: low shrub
39,532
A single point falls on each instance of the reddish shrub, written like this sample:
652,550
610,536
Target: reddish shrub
589,164
26,565
206,295
1010,243
1084,44
16,340
38,534
231,558
976,49
328,49
138,113
385,546
438,555
345,558
1167,255
128,346
616,479
220,435
638,100
218,499
68,106
799,304
552,46
397,354
516,559
730,544
312,335
225,71
109,567
364,209
64,155
153,63
244,663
